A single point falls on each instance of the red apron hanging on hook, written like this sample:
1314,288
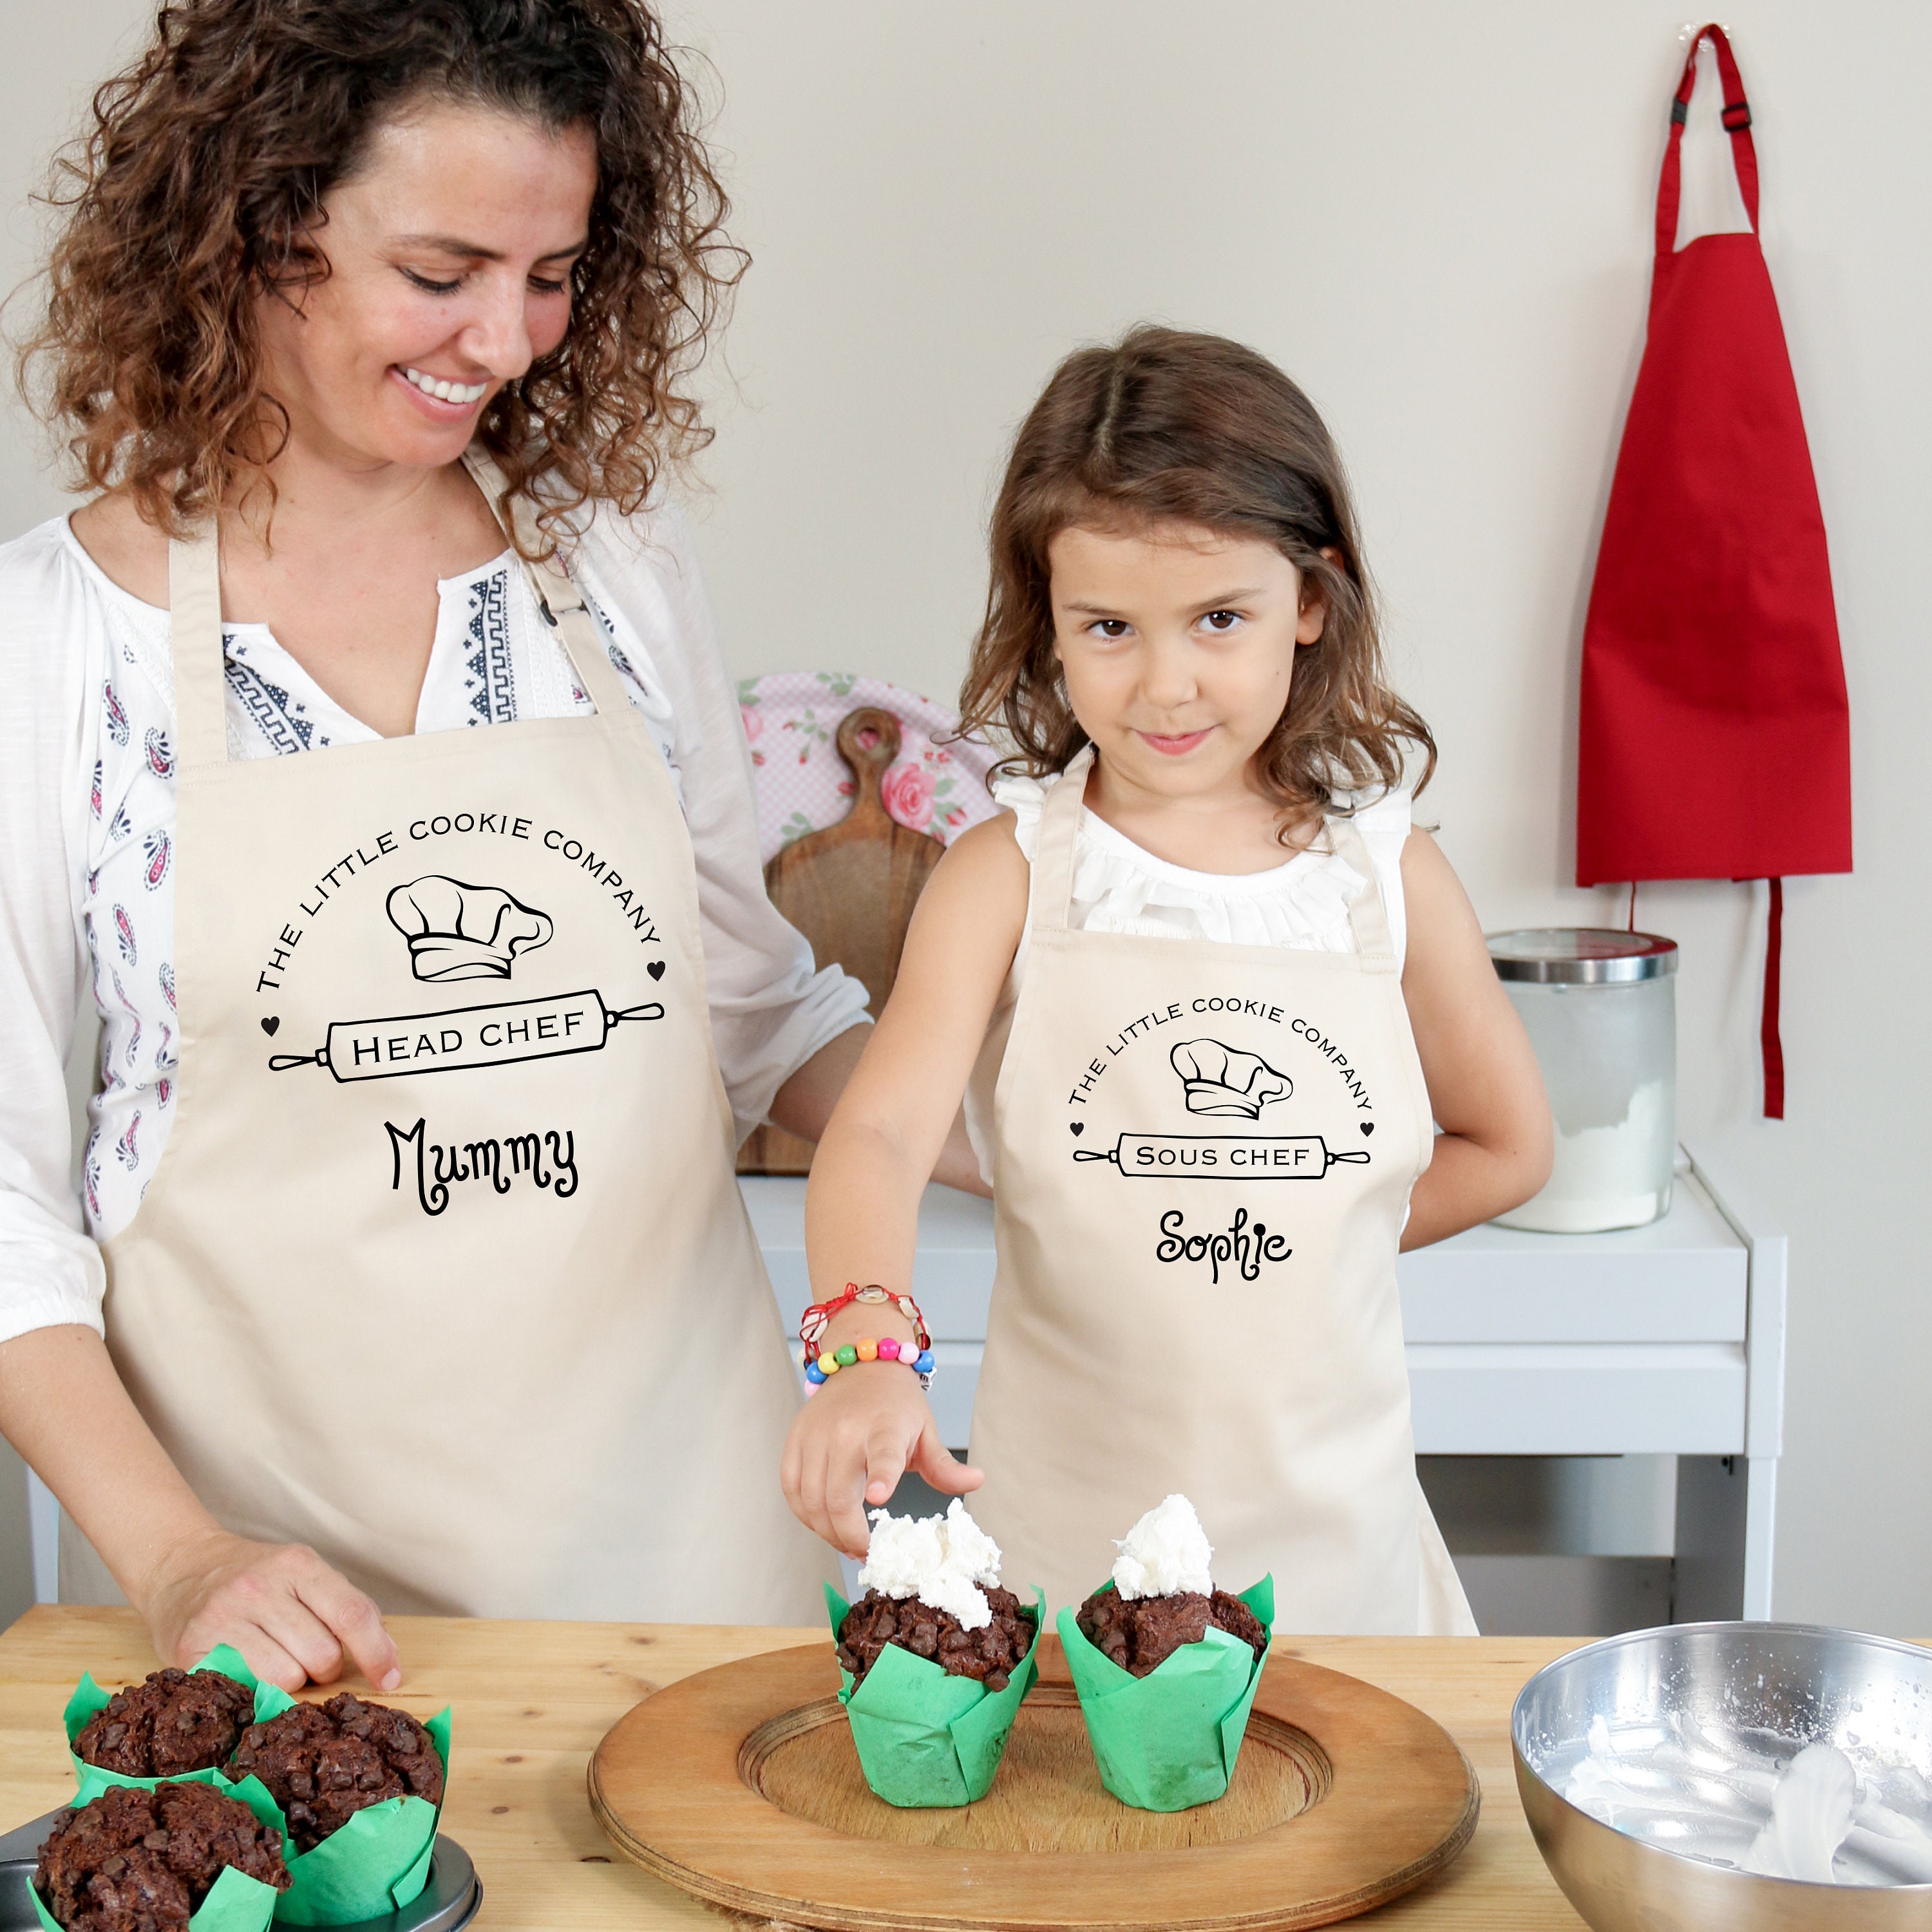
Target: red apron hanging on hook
1715,739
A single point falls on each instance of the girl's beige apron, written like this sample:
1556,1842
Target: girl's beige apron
1203,1155
444,1270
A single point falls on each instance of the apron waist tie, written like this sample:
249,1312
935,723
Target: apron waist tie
1771,1045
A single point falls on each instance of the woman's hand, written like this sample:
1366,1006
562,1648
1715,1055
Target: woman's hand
850,1443
279,1604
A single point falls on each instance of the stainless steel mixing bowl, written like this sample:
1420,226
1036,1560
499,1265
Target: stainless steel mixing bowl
1867,1694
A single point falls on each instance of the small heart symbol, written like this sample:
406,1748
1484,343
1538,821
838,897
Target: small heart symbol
1368,1127
269,1024
655,969
1076,1127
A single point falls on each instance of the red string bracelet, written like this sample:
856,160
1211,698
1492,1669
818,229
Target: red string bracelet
817,1318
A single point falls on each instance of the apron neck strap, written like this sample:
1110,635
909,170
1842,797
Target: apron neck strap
1052,894
1737,118
194,611
1368,917
194,642
559,602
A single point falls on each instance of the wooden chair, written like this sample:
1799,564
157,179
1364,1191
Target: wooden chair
850,890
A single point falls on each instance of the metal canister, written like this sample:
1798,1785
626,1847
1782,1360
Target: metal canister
1600,1010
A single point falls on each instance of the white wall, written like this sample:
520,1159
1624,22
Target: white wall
1438,219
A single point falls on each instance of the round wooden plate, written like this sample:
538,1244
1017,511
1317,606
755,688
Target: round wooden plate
741,1786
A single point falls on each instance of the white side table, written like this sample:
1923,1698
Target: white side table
1668,1339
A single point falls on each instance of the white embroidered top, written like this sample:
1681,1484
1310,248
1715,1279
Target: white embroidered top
87,828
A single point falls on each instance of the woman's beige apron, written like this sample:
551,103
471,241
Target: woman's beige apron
1203,1155
444,1270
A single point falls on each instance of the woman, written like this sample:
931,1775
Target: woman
428,1286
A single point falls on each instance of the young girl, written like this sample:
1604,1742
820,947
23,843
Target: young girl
1204,990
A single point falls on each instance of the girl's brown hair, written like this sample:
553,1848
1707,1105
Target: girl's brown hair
199,187
1166,427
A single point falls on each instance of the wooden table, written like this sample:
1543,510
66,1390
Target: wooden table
532,1700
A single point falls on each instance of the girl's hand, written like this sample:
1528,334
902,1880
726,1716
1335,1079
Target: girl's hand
850,1443
288,1613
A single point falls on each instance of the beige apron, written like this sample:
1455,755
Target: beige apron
1203,1159
444,1270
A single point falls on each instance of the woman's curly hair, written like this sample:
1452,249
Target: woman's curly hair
199,187
1165,427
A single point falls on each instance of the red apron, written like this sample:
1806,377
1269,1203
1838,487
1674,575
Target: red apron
1715,739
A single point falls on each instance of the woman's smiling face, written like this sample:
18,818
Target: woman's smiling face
449,255
1178,645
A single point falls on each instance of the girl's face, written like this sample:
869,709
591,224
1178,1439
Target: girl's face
1178,646
449,255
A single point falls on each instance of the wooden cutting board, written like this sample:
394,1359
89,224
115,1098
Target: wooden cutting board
740,1786
850,890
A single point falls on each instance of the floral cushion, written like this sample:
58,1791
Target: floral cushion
936,785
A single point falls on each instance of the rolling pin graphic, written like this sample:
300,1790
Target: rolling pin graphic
1223,1157
486,1036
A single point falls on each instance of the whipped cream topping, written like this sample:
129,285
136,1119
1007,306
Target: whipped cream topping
1165,1553
941,1560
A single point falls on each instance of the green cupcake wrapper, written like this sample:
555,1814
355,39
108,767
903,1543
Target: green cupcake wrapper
88,1697
926,1740
375,1864
1170,1739
236,1902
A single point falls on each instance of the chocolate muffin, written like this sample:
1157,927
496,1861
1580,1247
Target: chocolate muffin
172,1721
991,1654
135,1860
324,1762
1141,1632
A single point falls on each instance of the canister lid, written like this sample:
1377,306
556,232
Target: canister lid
1581,955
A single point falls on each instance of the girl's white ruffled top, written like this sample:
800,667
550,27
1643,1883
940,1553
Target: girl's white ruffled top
1302,903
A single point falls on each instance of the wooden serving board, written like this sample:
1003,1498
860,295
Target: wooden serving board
740,1786
850,890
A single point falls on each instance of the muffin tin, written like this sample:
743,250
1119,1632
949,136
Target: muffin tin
449,1901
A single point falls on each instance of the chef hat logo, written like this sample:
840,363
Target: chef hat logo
457,932
1221,1080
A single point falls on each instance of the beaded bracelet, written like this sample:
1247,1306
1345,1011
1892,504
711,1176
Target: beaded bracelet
819,1369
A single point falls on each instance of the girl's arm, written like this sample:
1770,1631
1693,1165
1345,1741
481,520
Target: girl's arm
869,1423
804,1103
1484,1088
